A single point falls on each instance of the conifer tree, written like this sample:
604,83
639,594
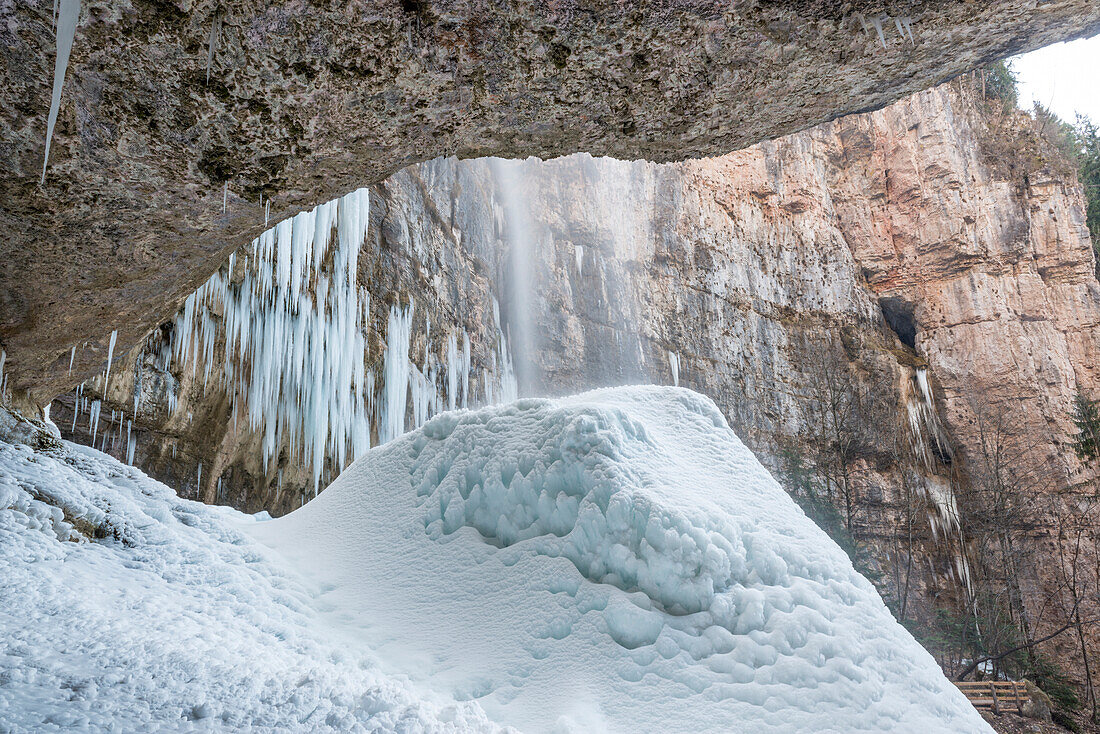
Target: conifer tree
1086,416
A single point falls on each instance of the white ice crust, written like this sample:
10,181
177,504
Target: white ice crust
173,619
615,561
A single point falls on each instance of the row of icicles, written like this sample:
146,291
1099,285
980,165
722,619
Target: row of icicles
294,320
927,440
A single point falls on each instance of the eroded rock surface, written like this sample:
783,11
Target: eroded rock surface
172,108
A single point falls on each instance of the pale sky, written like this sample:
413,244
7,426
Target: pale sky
1064,77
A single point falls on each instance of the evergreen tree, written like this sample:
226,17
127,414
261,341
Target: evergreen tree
1086,416
998,82
1089,162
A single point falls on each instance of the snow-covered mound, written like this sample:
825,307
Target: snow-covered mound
614,561
125,608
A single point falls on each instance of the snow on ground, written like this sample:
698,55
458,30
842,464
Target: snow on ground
615,561
125,608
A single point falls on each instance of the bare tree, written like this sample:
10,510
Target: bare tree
848,418
1007,475
1076,537
905,531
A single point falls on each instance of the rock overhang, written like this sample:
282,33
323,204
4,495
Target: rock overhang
157,172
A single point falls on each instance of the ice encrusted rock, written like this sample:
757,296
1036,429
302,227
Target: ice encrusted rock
614,561
125,608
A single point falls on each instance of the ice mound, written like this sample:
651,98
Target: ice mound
617,561
125,608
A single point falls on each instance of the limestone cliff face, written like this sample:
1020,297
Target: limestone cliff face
871,299
183,124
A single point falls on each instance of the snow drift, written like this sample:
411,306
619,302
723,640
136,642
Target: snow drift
125,608
615,561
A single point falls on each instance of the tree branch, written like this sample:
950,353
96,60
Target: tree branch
992,658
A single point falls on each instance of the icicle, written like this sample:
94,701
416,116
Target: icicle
465,367
907,23
110,358
198,481
212,42
578,254
877,23
509,389
674,364
72,357
423,396
67,18
225,205
395,380
294,325
76,406
93,419
130,444
452,371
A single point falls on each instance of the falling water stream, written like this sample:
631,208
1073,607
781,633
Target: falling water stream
519,236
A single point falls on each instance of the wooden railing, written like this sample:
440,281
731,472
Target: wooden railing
998,695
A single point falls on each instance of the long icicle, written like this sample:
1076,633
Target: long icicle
110,358
67,19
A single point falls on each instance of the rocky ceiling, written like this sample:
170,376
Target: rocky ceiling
172,107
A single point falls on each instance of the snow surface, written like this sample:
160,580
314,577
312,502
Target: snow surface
616,561
173,620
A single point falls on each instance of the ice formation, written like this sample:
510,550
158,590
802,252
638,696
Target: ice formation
211,46
877,23
464,370
674,365
294,321
904,24
507,389
68,16
396,375
452,371
927,440
126,608
110,358
926,432
617,561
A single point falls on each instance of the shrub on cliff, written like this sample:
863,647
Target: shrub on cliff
1088,137
1079,143
1086,416
998,82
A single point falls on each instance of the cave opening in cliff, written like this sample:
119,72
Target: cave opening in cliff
898,315
632,443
